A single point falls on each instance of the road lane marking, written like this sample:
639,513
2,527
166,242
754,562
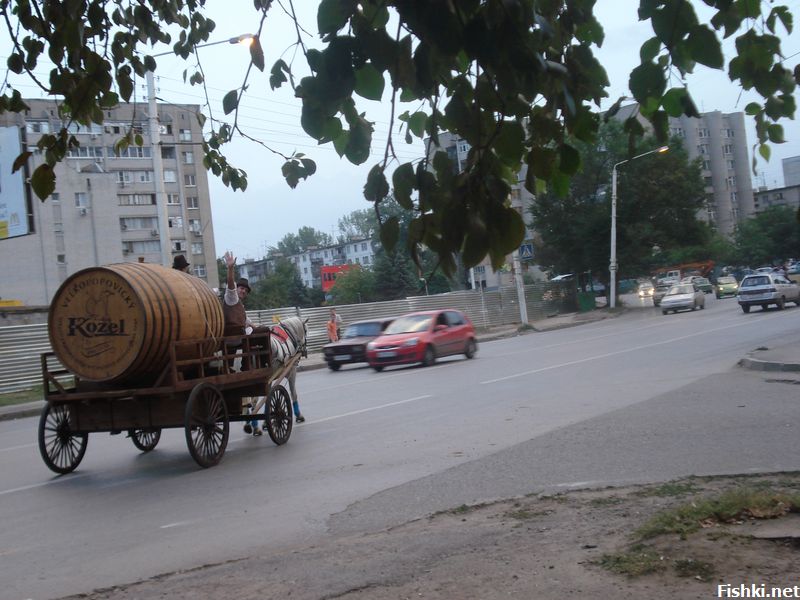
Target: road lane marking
370,409
42,484
18,447
609,354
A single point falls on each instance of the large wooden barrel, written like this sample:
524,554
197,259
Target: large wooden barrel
116,323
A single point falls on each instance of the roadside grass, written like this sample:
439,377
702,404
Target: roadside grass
728,507
22,396
757,500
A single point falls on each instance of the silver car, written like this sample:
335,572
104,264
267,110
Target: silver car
763,289
683,296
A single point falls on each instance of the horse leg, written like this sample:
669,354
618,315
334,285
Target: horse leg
298,416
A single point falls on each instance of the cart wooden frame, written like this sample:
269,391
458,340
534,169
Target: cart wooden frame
202,395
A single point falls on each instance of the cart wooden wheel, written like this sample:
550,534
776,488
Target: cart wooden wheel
206,424
145,439
279,415
61,448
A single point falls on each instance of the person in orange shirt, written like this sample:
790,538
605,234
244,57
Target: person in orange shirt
332,325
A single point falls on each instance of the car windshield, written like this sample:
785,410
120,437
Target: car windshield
371,329
754,281
409,324
680,289
726,280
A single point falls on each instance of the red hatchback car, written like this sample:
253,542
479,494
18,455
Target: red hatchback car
422,337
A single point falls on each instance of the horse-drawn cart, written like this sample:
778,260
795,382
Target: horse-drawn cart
202,394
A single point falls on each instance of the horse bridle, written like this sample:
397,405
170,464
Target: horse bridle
302,347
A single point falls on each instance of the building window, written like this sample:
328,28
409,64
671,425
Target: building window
168,152
138,223
86,152
731,181
176,221
174,199
366,260
37,127
727,149
197,247
200,271
129,152
81,200
191,202
177,246
731,163
702,149
188,158
55,198
185,135
194,225
189,181
136,199
364,246
703,132
170,176
707,165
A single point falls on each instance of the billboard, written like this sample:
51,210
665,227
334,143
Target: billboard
13,200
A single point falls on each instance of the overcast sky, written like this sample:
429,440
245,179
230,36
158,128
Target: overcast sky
247,223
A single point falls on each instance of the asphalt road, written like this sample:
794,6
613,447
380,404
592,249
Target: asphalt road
639,398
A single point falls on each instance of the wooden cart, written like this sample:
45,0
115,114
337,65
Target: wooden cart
201,395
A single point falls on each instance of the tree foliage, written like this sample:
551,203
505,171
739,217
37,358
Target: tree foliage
516,79
770,237
282,287
354,286
658,198
305,238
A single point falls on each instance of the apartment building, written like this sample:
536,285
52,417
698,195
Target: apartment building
104,209
719,140
309,262
791,170
785,196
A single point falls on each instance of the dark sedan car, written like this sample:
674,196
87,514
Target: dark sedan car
352,348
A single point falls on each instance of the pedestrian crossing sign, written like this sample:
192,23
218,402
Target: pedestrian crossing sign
526,251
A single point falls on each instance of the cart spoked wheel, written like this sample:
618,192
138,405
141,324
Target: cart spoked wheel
145,439
61,448
279,415
206,424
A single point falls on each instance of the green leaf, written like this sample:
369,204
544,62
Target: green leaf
230,101
309,165
570,160
43,181
649,50
15,63
647,81
20,161
369,82
376,188
764,151
390,232
674,101
509,142
277,77
752,109
331,16
257,54
417,122
775,133
704,47
403,181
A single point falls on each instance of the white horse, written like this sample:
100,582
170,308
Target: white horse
287,339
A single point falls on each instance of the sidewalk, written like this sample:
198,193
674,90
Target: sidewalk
785,359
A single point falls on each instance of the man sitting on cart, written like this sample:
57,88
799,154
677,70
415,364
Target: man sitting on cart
237,323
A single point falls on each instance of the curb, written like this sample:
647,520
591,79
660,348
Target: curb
766,365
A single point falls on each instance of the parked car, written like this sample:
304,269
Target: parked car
763,289
422,337
683,296
659,292
726,286
352,347
646,289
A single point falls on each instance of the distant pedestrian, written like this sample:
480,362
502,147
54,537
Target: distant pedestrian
338,320
333,333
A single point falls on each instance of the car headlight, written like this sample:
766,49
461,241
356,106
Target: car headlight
371,346
411,342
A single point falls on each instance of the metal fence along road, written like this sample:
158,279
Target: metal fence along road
22,345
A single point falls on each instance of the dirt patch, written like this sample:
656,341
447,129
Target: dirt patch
576,544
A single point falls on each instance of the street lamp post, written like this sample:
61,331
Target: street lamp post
612,263
155,151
